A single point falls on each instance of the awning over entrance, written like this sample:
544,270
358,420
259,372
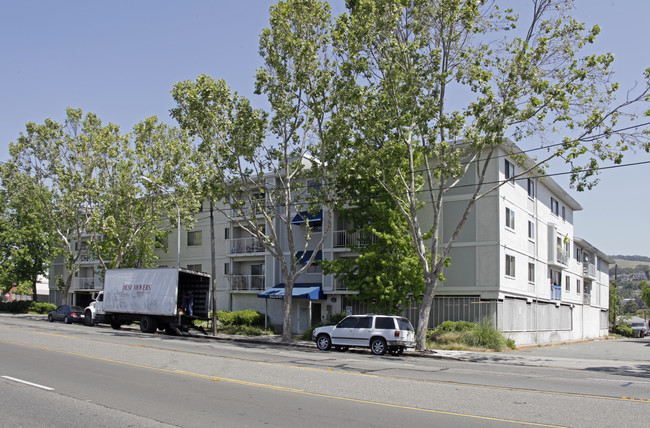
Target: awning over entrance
300,291
304,256
303,216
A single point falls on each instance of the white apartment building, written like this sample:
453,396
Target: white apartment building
516,262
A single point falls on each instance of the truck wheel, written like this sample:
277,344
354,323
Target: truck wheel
116,325
148,325
88,318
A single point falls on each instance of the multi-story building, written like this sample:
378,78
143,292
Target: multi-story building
516,262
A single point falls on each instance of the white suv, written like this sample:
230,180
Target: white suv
380,333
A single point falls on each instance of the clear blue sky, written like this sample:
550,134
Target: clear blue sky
120,59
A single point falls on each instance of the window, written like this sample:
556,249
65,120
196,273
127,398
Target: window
510,218
257,269
563,213
555,206
531,230
510,265
568,283
531,272
384,323
194,238
510,171
579,255
531,188
226,233
226,268
195,268
556,277
578,286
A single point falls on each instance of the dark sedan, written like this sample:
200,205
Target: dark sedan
67,314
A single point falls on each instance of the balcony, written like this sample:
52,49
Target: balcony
587,299
345,238
248,245
589,269
556,292
85,283
246,282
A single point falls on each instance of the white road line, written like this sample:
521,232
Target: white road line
47,388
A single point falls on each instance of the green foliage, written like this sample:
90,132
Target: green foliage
25,306
614,304
623,330
484,335
247,317
455,334
244,330
645,293
41,307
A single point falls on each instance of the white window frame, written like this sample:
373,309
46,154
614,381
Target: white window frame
510,266
510,171
192,236
510,218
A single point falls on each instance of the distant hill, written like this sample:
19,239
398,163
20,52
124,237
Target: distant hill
632,258
629,262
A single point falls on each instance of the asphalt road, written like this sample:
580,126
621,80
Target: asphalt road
103,377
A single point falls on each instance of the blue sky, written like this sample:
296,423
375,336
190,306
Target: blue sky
120,59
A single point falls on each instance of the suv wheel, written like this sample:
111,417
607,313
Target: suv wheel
378,345
323,342
397,350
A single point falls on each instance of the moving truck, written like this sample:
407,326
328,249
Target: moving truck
158,298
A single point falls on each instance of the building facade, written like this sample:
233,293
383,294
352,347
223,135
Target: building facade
516,262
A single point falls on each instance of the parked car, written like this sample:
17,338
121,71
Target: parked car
639,329
380,333
67,314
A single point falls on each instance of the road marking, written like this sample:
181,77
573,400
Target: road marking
284,389
47,388
330,370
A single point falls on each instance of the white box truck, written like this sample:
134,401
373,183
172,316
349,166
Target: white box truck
159,298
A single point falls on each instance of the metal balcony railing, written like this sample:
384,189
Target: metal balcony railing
246,246
85,283
345,238
246,282
556,292
589,269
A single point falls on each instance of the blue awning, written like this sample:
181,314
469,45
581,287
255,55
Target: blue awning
300,291
304,256
303,216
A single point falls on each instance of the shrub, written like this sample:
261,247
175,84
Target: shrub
440,333
18,307
511,344
484,335
624,330
248,317
41,307
245,330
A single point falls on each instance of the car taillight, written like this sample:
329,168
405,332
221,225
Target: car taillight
73,314
396,333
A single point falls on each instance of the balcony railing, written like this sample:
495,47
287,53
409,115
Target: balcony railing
556,292
247,282
345,238
589,269
246,246
339,285
562,257
587,299
85,283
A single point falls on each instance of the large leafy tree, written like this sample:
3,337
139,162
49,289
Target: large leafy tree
434,87
85,186
272,164
26,244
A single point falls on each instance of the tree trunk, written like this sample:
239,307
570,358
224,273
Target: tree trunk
431,281
286,313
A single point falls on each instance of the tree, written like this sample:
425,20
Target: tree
85,186
645,293
28,245
630,307
387,272
272,165
614,304
433,88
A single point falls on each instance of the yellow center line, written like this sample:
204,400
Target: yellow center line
329,370
280,388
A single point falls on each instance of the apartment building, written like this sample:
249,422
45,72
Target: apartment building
516,262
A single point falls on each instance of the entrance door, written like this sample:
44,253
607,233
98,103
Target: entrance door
315,313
